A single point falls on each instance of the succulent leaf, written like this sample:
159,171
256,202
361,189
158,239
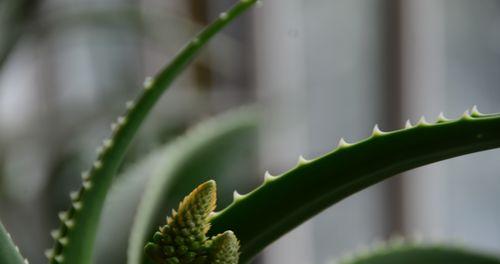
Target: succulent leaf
79,224
9,252
326,180
410,253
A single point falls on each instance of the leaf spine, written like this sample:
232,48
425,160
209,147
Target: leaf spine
77,205
475,112
74,195
107,143
442,118
129,105
85,176
343,143
268,177
195,41
148,83
63,241
98,164
408,124
237,196
55,234
59,258
121,120
223,16
87,185
63,216
302,161
376,131
466,115
49,253
69,223
423,122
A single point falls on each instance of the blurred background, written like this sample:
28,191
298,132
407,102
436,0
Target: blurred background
321,69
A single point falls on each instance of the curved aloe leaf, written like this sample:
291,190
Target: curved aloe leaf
283,202
9,253
75,238
220,146
215,149
120,208
418,254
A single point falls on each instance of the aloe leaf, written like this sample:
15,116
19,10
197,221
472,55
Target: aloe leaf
418,254
218,149
283,202
120,208
75,238
9,253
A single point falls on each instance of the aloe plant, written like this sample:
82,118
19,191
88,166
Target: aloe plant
195,234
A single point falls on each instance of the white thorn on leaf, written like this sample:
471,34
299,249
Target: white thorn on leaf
237,196
223,16
148,83
129,105
466,115
107,143
63,241
343,143
423,122
442,118
74,195
302,161
195,41
475,112
268,176
98,164
55,234
49,253
121,120
408,124
77,205
59,258
85,175
69,223
377,131
87,185
63,216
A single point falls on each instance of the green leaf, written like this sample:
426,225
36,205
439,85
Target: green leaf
220,149
283,202
75,238
418,254
9,253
